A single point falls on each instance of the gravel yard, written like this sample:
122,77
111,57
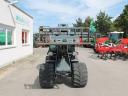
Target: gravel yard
105,77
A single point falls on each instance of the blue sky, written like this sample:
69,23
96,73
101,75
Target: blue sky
53,12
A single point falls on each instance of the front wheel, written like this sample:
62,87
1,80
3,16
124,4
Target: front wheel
79,75
47,75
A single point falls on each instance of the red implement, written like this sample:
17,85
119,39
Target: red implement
81,40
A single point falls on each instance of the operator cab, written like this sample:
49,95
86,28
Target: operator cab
116,36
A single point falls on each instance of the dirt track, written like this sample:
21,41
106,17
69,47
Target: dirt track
106,78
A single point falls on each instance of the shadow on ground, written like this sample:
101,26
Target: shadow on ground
60,80
36,85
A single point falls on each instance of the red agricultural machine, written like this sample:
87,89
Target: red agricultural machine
112,47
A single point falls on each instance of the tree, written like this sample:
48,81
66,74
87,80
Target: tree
122,21
103,23
79,23
113,28
87,21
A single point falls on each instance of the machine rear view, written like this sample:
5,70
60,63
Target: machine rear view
61,59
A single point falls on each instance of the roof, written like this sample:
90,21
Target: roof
23,11
116,32
20,9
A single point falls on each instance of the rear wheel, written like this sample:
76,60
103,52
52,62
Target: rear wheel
79,75
47,75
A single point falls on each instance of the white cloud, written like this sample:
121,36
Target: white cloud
67,11
45,5
101,4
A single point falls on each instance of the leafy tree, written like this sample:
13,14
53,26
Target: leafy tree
103,23
87,21
79,23
122,21
113,28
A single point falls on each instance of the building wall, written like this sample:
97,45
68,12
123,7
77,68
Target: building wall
5,17
18,21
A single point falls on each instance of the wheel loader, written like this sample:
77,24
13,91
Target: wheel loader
61,59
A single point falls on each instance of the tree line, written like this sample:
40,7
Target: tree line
104,22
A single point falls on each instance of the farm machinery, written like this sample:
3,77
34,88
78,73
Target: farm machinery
61,60
112,46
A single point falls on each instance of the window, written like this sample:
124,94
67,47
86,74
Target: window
9,37
6,37
2,36
25,37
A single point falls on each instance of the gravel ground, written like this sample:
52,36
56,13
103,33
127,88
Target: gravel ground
106,77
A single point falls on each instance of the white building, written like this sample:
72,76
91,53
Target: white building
16,33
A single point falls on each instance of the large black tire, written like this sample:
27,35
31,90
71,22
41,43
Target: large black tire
47,75
79,75
50,59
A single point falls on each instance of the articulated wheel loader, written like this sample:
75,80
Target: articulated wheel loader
61,59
